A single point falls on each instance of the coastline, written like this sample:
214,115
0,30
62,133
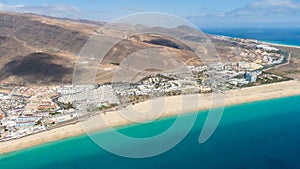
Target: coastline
273,43
280,45
172,107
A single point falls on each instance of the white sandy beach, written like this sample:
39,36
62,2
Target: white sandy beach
167,106
281,45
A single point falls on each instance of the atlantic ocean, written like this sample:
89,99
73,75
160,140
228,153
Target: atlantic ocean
283,36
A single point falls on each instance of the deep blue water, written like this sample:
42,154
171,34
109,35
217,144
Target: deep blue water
258,135
285,36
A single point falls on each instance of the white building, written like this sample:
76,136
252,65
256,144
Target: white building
250,76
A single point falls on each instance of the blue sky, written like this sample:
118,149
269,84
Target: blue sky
203,13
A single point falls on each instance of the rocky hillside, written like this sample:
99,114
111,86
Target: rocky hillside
36,49
42,50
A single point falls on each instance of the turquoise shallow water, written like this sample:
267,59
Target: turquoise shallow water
258,135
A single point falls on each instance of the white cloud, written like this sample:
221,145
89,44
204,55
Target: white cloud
133,9
274,3
49,10
265,7
4,7
257,13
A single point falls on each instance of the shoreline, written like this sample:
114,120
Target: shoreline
280,45
172,107
261,41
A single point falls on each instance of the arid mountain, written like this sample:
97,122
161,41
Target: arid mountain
43,50
36,49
